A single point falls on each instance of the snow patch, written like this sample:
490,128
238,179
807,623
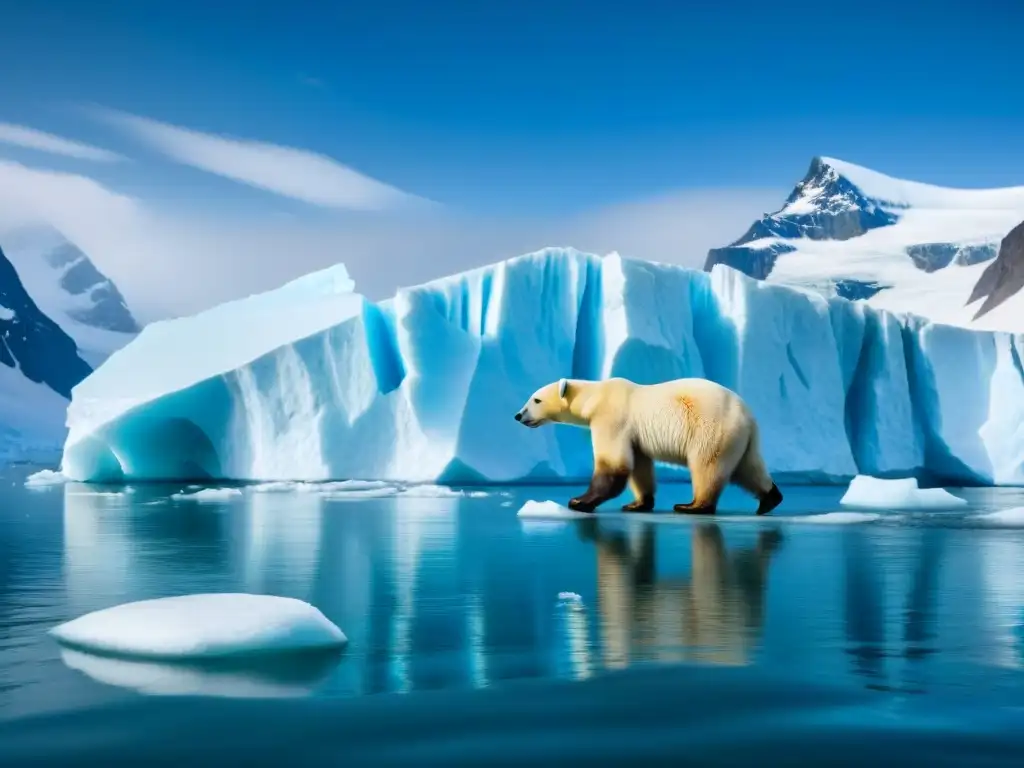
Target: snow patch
203,626
7,314
874,493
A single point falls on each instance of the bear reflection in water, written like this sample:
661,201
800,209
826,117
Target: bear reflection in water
713,616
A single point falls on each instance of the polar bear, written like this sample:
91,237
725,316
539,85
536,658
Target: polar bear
690,422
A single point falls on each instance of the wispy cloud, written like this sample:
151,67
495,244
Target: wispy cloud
295,173
30,138
63,200
172,262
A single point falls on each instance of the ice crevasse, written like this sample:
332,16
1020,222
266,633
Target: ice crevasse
312,381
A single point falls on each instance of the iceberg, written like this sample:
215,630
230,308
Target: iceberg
203,626
872,493
313,382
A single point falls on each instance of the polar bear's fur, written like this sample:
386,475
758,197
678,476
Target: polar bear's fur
694,423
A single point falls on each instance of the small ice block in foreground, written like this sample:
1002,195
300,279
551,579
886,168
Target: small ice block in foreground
548,510
873,493
203,626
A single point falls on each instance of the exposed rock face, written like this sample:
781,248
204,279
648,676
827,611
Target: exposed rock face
1003,277
930,257
107,309
823,206
33,343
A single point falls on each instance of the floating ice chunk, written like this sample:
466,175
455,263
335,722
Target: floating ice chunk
1013,517
873,493
549,510
208,494
44,478
355,490
203,626
359,493
343,486
279,486
441,492
837,518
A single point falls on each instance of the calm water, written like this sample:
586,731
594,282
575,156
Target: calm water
459,593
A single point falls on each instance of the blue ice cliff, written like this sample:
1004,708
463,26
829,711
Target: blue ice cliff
312,381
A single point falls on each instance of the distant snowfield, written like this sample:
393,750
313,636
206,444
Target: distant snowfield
880,256
928,214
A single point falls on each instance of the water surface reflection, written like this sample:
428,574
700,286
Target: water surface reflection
456,592
713,615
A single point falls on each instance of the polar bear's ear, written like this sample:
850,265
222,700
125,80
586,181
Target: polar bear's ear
563,387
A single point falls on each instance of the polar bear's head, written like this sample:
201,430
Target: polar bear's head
547,404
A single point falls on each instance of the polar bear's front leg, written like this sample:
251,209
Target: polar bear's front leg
607,482
613,463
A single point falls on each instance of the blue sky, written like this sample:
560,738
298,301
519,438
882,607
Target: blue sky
519,110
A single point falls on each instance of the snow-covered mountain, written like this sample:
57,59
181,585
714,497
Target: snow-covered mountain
39,364
900,245
68,288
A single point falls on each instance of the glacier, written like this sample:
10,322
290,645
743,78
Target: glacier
314,382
